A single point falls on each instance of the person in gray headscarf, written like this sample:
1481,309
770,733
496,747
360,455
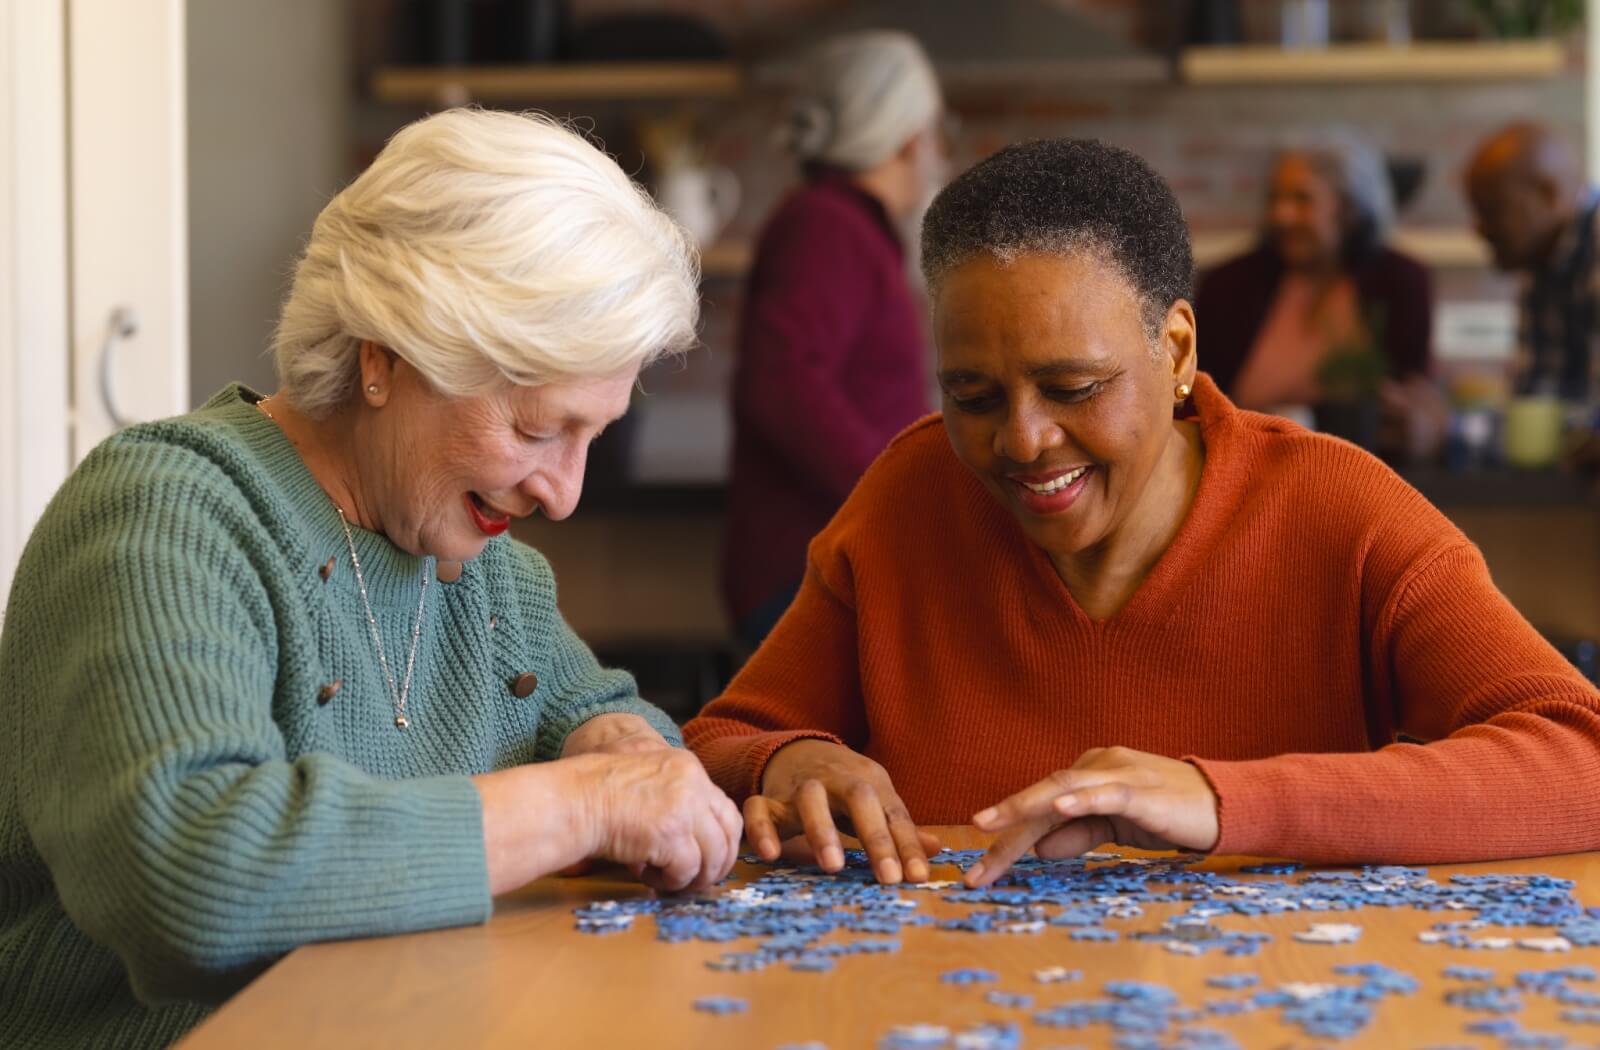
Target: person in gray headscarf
1323,283
832,358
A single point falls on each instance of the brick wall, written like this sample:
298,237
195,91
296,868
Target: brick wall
1213,143
638,576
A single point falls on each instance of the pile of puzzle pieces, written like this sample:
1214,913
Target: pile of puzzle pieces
790,914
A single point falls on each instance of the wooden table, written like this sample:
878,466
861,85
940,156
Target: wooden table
528,979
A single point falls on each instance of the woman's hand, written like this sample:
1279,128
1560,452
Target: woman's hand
810,787
1109,795
1415,418
659,813
613,734
654,810
610,734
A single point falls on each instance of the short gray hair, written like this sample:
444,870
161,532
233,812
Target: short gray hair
862,96
1357,172
486,247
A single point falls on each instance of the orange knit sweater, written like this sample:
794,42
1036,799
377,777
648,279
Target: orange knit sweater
1311,607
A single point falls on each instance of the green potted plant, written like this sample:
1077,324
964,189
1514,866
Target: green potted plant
1522,19
1349,378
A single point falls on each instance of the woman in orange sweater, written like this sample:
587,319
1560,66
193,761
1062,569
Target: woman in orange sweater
1097,548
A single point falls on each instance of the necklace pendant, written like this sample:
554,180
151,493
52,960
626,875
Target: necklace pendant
402,722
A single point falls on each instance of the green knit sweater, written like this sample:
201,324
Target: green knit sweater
181,801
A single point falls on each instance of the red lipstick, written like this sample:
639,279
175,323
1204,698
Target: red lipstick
487,524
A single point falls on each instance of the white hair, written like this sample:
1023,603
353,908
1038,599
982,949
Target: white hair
862,96
1356,171
484,247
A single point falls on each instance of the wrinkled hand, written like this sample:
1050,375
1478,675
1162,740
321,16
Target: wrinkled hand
1582,452
812,787
659,813
610,734
613,734
1415,418
1109,795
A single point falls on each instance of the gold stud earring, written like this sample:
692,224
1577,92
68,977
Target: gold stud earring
1182,392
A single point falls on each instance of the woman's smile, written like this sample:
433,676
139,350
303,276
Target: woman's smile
490,520
1053,492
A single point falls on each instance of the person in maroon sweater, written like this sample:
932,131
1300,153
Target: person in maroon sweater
1322,281
832,357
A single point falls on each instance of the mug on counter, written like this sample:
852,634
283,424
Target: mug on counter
1533,430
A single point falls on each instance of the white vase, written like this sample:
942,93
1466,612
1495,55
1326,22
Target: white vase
1305,23
702,199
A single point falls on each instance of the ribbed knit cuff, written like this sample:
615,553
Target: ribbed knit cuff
1245,804
1267,805
553,740
445,881
762,747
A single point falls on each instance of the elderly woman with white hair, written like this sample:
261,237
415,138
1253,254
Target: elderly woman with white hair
1322,280
832,358
273,674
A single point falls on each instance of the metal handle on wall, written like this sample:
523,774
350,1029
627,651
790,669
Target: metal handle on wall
123,324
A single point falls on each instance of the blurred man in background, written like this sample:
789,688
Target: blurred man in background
1538,216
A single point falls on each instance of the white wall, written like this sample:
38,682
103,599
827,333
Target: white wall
268,145
34,354
127,202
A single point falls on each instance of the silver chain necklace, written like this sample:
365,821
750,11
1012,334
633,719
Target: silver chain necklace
397,696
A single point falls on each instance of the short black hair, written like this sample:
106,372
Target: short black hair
1066,195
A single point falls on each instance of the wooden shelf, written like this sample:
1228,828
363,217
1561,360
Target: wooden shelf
1443,248
1373,62
725,259
458,85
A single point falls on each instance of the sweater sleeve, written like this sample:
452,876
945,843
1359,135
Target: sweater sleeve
579,688
815,286
1231,304
1408,330
804,682
1513,769
138,672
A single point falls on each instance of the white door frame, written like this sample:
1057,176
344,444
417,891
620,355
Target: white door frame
1591,89
93,215
35,362
127,125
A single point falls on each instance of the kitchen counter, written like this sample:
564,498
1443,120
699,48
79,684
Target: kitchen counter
640,564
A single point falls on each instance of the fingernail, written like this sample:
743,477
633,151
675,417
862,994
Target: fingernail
1066,803
833,857
917,871
889,871
975,872
987,816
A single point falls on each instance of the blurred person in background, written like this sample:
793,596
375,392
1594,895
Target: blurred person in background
1323,284
832,359
1537,213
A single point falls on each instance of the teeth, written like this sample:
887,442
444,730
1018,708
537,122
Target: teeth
486,509
1058,484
